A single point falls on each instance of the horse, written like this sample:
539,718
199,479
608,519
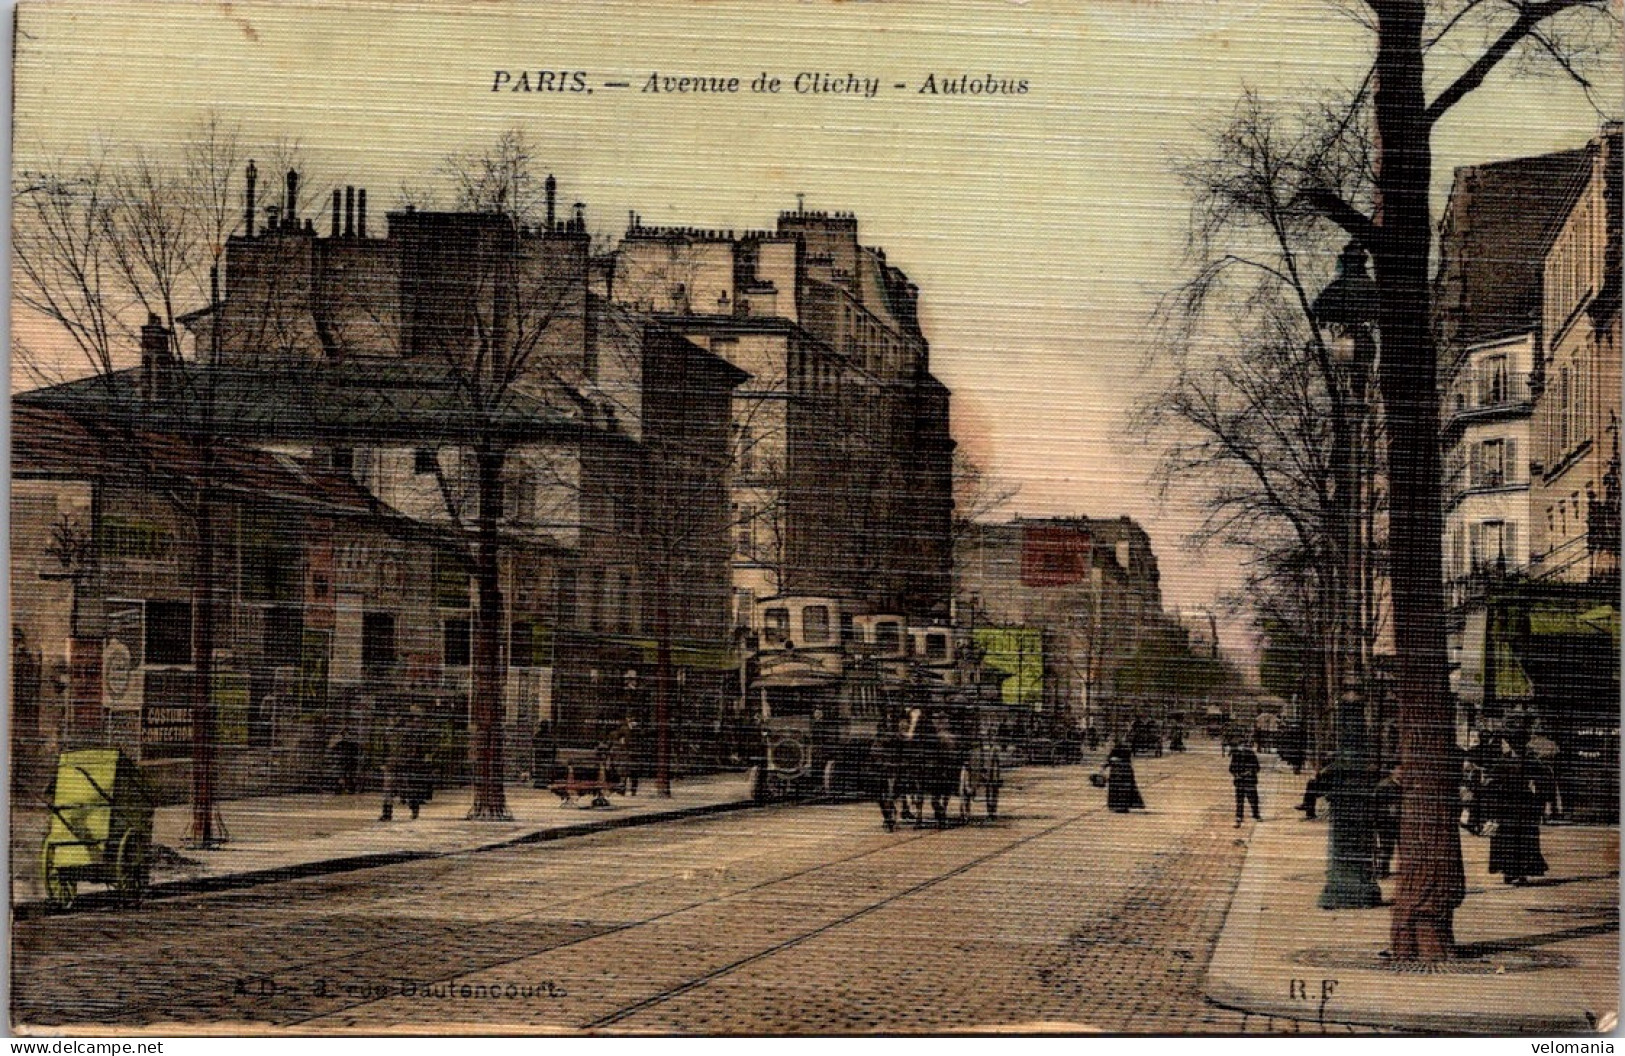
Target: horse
980,776
884,773
933,768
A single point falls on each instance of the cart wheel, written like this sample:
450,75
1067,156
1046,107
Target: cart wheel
60,889
133,866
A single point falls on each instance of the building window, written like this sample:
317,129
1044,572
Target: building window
1563,412
776,626
343,460
457,642
1491,464
936,646
284,631
888,638
377,641
1495,545
425,460
567,597
451,582
623,603
169,632
815,624
1492,381
595,600
271,562
744,607
519,499
521,644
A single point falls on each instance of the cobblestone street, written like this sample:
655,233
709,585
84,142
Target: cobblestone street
797,919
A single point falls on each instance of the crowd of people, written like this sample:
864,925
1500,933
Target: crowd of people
1507,790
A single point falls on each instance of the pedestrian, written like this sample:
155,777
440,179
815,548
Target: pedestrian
1244,774
413,764
1314,791
544,754
1294,748
1094,739
1122,793
390,762
346,756
1390,798
1176,739
1515,791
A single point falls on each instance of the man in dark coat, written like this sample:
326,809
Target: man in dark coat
1389,799
1244,774
414,765
1122,793
1515,790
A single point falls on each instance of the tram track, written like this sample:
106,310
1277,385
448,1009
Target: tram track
136,1006
185,999
705,979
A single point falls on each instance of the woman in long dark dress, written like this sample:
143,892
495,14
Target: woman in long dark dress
1516,793
1122,793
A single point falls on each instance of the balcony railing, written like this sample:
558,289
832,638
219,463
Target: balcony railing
1477,394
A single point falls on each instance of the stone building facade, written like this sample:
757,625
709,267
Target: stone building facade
394,363
1090,585
842,453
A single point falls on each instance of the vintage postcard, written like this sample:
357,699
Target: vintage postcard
813,518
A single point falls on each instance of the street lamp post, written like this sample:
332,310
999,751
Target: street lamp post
1347,308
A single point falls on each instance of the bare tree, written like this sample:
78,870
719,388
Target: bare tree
978,495
66,266
110,251
1414,45
1258,412
499,178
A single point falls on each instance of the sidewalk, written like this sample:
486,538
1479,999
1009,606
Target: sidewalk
281,837
1547,954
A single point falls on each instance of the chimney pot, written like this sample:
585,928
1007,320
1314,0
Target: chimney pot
248,201
290,217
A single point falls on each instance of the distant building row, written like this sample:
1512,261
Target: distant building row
681,427
1527,307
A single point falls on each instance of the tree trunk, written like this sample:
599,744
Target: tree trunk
663,681
202,834
1431,883
486,708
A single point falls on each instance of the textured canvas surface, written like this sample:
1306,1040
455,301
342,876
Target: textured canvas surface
815,519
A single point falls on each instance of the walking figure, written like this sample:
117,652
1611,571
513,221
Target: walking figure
1122,793
1244,774
1516,790
1389,799
409,769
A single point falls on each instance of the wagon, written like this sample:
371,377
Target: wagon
101,827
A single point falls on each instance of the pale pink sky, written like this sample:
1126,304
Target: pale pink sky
1040,227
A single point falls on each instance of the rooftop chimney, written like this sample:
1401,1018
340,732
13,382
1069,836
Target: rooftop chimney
157,361
335,231
248,202
580,221
361,213
291,207
349,212
552,189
